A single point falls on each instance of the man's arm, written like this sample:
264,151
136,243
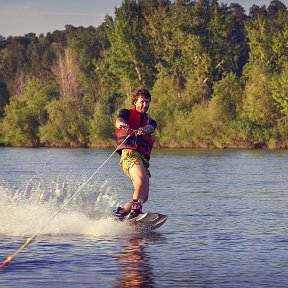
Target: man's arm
150,127
122,119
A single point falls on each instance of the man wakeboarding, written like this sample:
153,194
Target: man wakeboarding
135,152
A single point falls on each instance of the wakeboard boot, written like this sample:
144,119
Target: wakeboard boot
136,208
120,213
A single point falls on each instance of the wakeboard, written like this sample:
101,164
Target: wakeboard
148,221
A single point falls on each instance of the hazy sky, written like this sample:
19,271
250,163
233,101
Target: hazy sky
19,17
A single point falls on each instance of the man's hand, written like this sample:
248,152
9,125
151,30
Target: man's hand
145,130
124,126
120,123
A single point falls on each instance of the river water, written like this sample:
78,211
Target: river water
227,225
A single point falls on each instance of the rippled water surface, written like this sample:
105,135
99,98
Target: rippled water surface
227,225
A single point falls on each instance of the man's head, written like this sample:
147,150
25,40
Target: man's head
141,99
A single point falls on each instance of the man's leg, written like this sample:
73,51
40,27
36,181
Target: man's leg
140,181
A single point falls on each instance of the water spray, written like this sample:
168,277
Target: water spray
31,239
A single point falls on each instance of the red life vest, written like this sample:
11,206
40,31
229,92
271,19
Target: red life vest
142,143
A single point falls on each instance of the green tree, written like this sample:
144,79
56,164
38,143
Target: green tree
224,46
208,124
275,7
130,56
260,42
4,97
175,35
259,105
280,40
13,62
88,46
229,92
26,113
257,11
224,109
101,124
280,90
66,125
165,106
200,126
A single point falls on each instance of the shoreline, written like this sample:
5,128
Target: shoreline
208,146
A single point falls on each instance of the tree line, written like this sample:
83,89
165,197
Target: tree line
218,77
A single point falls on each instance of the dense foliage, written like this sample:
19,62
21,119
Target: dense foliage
218,77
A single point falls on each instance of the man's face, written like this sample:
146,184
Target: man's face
142,104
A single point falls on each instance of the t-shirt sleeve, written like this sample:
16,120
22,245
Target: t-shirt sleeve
151,121
124,114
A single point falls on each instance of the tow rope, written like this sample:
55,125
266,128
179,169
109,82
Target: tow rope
31,239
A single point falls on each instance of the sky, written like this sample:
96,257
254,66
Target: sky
20,17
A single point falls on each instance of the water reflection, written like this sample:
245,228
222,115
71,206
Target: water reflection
134,262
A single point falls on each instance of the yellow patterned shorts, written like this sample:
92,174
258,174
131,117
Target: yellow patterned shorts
130,157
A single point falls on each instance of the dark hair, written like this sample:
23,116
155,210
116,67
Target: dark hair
141,92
